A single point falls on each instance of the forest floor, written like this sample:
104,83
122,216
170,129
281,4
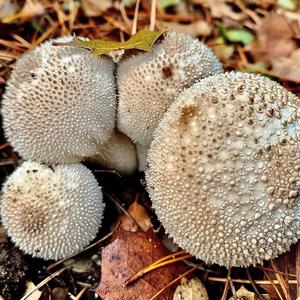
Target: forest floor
255,36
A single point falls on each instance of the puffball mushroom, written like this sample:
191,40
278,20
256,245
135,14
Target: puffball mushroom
59,103
118,153
224,169
51,213
148,83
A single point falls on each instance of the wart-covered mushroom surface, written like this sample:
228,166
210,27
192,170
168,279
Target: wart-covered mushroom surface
51,213
149,82
59,103
224,169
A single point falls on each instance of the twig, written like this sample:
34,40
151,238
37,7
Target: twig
175,281
153,15
87,248
135,18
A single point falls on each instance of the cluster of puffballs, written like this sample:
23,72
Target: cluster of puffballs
222,149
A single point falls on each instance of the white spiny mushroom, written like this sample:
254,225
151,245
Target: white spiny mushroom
51,213
59,103
224,169
148,83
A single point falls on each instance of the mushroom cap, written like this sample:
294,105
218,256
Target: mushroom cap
51,213
224,169
118,153
59,103
148,83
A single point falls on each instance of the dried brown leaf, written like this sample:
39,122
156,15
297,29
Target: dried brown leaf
128,254
288,67
94,8
139,214
244,294
274,38
31,9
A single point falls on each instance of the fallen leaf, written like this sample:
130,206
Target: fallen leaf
190,290
274,38
220,9
236,35
142,40
94,8
128,254
139,213
198,28
288,67
31,9
244,294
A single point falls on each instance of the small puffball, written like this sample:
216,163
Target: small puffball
59,103
224,169
148,83
142,152
51,213
118,154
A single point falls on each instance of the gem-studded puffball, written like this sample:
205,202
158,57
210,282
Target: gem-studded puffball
59,103
224,169
148,83
51,213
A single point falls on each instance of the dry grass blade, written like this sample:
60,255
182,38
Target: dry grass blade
231,284
135,18
81,293
246,281
271,270
157,264
153,15
260,297
176,280
225,291
273,284
298,268
280,279
87,248
116,202
46,280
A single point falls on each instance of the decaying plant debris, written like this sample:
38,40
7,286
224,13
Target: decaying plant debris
254,36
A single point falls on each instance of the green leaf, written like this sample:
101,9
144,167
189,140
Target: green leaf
142,40
236,35
166,3
129,3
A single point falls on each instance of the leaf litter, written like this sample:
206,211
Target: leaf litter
263,37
